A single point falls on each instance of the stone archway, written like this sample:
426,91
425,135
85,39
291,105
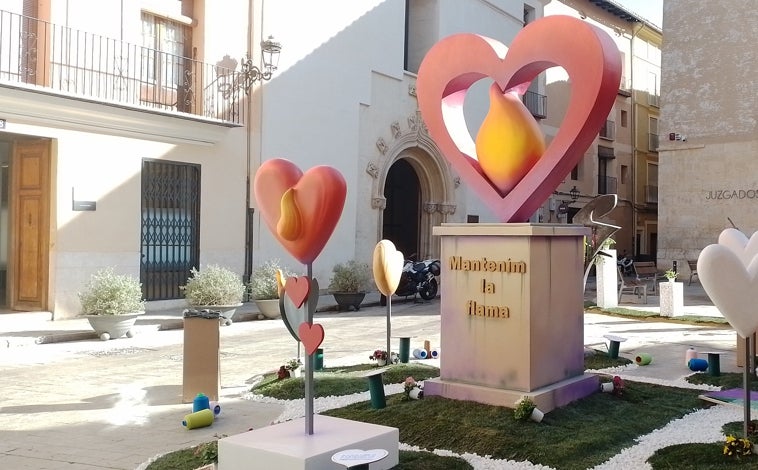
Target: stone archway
436,183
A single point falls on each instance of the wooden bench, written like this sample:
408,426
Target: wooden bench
692,263
647,271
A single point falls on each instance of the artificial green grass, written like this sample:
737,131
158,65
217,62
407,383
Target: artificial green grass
578,436
726,380
188,459
601,360
645,315
698,457
340,381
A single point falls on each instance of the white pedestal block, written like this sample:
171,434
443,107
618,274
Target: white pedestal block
671,298
606,274
286,446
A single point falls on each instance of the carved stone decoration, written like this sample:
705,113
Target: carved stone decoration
378,203
430,207
413,121
457,181
412,89
395,126
372,170
381,145
446,208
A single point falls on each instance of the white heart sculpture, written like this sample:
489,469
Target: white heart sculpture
739,244
732,286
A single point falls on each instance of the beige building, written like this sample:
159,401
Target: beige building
623,158
710,109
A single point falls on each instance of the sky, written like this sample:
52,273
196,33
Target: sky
649,9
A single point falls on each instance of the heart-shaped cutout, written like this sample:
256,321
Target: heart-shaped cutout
300,209
297,289
731,285
453,65
312,335
387,267
293,316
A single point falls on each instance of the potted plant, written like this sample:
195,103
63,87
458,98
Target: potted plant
527,409
214,288
413,390
380,356
349,283
670,275
111,303
265,284
293,367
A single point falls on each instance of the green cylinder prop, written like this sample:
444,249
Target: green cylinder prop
199,419
405,350
714,364
319,359
613,349
376,391
643,359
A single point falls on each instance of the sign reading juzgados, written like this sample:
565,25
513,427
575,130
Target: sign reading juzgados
473,308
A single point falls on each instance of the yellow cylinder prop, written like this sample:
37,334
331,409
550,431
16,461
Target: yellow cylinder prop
387,267
198,419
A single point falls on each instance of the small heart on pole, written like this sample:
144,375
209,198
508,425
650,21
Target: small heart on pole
297,289
311,335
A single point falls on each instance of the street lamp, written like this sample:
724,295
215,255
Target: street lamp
250,74
574,193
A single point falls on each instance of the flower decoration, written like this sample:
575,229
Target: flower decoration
618,386
378,355
409,385
293,364
734,447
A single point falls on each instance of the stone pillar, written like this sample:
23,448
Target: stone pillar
671,298
606,275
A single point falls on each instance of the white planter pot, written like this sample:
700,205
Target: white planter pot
269,308
416,393
536,415
297,373
606,387
113,326
226,311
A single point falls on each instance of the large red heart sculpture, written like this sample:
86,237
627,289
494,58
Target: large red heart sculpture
453,65
315,201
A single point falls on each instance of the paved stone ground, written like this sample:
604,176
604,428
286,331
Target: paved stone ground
113,405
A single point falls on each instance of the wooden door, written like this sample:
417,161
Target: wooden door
30,227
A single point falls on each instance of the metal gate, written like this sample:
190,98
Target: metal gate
170,240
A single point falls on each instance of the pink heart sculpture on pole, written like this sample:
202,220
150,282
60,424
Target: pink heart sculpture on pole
514,189
311,335
300,209
297,289
732,286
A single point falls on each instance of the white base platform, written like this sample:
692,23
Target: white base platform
286,446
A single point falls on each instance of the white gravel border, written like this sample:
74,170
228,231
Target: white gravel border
700,426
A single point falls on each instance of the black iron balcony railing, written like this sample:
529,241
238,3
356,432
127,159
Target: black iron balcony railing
536,104
38,54
651,194
606,184
608,131
652,142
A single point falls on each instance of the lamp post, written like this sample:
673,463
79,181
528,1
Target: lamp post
250,74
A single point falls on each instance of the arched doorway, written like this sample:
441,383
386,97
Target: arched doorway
402,212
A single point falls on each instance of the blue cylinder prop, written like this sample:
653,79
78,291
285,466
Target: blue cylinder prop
419,353
698,365
215,408
201,402
435,353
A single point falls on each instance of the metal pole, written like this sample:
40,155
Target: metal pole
310,365
389,328
746,385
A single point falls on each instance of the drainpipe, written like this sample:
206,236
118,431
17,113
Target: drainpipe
635,192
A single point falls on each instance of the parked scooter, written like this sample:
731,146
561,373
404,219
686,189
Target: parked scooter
419,278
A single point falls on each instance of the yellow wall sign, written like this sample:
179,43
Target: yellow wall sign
474,308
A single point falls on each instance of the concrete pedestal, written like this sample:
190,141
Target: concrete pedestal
286,446
202,361
512,314
671,298
606,274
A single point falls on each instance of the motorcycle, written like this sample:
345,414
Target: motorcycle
419,278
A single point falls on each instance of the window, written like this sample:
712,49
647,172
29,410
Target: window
529,14
624,173
624,118
163,42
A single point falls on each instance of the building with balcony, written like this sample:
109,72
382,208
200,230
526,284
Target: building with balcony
130,133
709,127
623,159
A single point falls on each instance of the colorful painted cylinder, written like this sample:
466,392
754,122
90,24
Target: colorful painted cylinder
199,419
643,359
419,353
698,365
200,402
435,353
690,354
215,408
319,359
405,347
